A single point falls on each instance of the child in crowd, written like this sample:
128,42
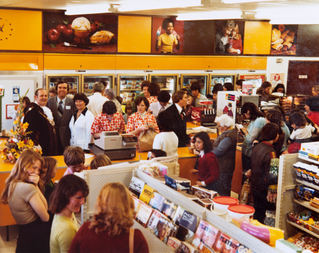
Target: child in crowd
74,158
128,112
207,164
301,131
100,161
51,166
155,153
189,107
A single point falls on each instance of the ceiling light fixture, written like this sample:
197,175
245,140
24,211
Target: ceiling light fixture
78,9
209,15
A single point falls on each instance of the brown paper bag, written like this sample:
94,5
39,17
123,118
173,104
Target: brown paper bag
145,140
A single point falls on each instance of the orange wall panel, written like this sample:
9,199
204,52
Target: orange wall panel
257,37
134,34
256,63
21,61
21,30
74,61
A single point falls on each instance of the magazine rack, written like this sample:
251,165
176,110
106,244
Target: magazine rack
97,178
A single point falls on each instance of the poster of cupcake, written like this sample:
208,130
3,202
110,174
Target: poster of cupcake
284,40
79,33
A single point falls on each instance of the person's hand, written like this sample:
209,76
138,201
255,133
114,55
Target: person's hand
34,179
248,173
199,183
178,37
194,171
285,152
255,142
196,152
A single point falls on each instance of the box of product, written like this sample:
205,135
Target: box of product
310,148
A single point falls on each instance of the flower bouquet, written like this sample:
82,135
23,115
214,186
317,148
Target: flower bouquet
19,142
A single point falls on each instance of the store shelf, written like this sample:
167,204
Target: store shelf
302,228
308,160
307,184
306,204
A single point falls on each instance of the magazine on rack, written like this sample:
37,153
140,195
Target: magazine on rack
178,214
157,201
169,208
144,213
136,186
186,248
165,228
205,233
203,193
226,243
146,194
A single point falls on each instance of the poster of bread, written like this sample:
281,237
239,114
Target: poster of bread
79,33
284,39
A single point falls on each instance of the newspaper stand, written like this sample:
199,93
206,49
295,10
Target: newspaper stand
123,173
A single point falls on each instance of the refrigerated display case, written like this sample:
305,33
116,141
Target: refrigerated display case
74,81
255,79
222,79
165,81
89,79
129,86
187,80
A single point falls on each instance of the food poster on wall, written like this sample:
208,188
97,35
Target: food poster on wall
167,36
255,80
229,37
284,40
80,33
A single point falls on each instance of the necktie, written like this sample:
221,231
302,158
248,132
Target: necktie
60,109
182,114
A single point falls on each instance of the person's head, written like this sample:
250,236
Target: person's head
98,87
297,119
80,101
190,100
279,88
156,153
282,112
100,161
312,104
28,163
142,104
195,88
228,86
163,97
315,90
62,88
109,93
269,132
25,101
239,84
51,166
217,87
224,123
235,32
52,92
164,121
114,210
144,88
70,193
154,89
120,99
74,158
202,141
104,84
228,27
274,116
109,108
41,96
168,25
250,111
128,108
180,98
265,88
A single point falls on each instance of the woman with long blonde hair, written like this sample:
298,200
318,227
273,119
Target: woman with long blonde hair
24,193
110,229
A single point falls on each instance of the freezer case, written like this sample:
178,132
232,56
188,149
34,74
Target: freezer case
129,86
222,79
202,79
89,79
165,81
74,81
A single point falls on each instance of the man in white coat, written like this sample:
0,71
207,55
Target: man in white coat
97,100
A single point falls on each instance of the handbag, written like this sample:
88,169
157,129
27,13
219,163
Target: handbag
145,140
131,240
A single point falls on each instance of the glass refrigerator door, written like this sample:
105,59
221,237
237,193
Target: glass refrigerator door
166,82
72,80
89,80
187,80
130,86
222,79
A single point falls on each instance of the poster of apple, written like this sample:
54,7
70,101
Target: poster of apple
167,36
79,33
284,39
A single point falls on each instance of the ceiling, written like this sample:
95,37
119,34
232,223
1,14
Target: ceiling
288,11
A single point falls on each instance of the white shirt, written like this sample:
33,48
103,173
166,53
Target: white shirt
179,108
96,102
48,113
166,141
302,133
156,107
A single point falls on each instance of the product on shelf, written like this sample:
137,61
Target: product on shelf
136,186
169,208
178,214
143,214
314,202
146,194
304,193
186,248
205,233
203,193
226,243
174,243
157,201
305,242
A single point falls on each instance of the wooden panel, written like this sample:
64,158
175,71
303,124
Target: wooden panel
256,63
15,61
257,37
306,45
21,30
6,218
73,61
134,34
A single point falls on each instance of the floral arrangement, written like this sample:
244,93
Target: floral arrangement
19,142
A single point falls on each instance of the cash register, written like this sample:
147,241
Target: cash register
115,146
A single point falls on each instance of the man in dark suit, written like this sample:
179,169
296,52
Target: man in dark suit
178,117
62,108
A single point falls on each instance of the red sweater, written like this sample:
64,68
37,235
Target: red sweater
314,116
86,240
208,170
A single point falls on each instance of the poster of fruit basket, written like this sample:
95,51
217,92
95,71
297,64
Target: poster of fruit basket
79,33
284,39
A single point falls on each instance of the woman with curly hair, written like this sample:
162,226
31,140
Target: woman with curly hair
24,193
110,229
